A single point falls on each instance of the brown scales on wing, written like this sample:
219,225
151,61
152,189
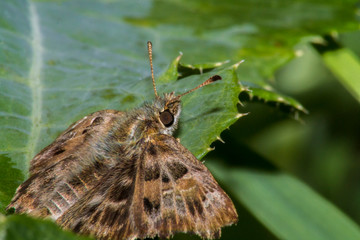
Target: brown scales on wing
191,199
115,182
63,171
156,194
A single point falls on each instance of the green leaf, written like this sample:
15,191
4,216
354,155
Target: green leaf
261,32
9,181
289,208
23,227
215,110
346,66
271,96
64,59
342,62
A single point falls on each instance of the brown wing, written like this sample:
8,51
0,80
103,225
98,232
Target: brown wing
160,192
63,171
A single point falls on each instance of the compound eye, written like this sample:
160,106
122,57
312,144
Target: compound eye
167,118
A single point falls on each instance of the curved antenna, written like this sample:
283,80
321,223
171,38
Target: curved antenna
149,45
207,82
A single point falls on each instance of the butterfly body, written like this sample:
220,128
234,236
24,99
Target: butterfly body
122,175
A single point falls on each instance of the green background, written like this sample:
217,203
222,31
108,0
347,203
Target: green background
291,165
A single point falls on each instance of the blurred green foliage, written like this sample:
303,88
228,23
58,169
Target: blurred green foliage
291,166
322,149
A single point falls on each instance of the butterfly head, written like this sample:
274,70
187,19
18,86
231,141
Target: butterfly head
167,108
167,111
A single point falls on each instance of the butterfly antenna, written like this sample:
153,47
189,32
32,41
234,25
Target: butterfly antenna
207,82
149,45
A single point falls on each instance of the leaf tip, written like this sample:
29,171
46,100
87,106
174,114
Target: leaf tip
209,149
220,139
239,115
236,65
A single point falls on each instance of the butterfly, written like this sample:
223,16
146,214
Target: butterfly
122,175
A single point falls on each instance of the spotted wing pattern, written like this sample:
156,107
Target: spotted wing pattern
162,191
65,170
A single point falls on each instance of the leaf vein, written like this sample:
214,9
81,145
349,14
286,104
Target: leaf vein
35,81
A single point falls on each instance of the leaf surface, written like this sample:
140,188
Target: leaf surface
285,205
61,60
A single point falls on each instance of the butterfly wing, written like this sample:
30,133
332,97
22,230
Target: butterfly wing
63,171
162,191
187,197
73,140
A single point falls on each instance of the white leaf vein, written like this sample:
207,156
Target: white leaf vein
35,81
